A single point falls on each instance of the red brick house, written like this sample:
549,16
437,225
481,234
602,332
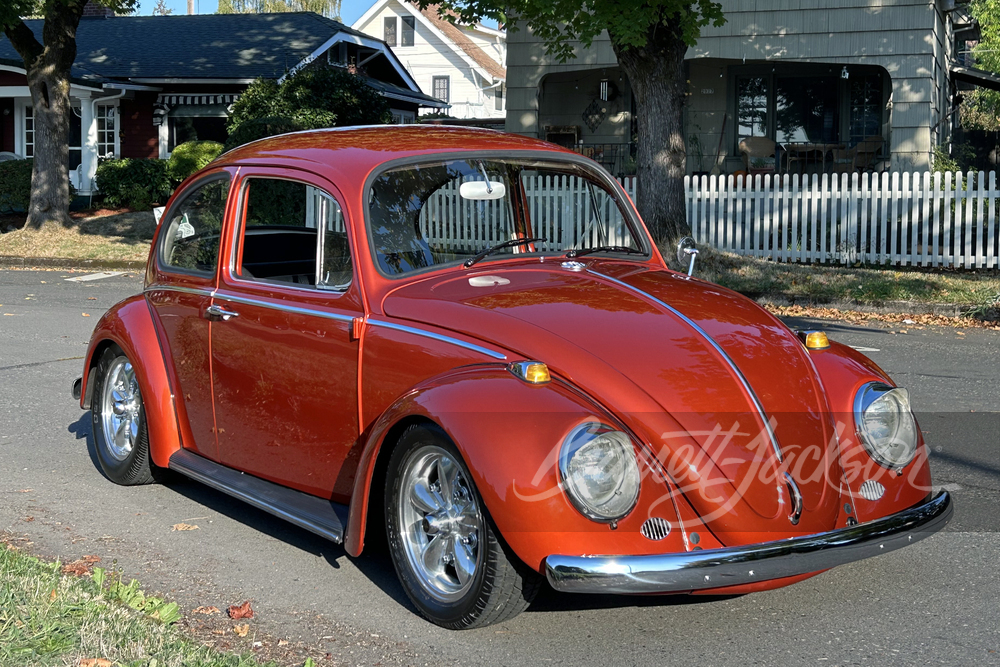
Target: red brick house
140,85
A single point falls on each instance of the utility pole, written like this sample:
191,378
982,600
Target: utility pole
190,7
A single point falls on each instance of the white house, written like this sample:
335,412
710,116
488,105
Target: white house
462,65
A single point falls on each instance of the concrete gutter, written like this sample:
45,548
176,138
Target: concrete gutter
10,261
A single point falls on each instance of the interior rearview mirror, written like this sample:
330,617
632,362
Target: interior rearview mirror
482,190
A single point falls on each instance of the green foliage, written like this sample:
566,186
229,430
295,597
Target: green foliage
324,7
134,183
12,11
961,158
191,156
313,98
15,185
560,22
981,107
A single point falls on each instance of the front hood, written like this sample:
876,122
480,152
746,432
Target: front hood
610,330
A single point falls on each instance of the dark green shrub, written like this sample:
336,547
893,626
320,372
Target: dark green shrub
312,98
191,156
134,183
15,185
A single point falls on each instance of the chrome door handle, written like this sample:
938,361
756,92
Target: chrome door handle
215,312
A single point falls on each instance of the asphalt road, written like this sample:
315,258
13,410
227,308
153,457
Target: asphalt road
936,602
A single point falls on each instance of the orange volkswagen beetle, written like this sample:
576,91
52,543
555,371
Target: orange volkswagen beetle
467,339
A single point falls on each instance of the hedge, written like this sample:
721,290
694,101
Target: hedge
15,186
133,182
191,156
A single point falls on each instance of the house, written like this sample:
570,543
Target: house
141,85
462,65
814,76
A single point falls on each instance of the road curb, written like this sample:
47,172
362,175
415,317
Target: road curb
886,307
10,261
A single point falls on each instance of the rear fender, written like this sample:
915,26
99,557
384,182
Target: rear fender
129,325
509,433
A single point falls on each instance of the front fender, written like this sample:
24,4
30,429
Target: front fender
129,324
509,433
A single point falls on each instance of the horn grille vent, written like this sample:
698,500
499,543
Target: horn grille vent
655,528
871,490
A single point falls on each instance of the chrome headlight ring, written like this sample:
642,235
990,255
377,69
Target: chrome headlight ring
885,424
599,471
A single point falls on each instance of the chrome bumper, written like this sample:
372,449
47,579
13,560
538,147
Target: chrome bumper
733,566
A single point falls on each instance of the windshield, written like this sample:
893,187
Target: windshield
447,212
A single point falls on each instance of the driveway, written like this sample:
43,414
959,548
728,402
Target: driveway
933,603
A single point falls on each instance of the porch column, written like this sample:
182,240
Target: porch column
88,147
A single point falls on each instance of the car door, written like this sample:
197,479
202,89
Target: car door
285,364
179,290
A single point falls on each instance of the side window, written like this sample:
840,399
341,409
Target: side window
193,232
293,233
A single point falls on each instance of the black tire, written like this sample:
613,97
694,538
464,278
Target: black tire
501,586
135,466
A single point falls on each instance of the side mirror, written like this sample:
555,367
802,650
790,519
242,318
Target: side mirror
687,252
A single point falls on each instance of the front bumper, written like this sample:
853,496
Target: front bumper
754,563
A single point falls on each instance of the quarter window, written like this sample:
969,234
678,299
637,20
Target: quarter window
293,233
192,235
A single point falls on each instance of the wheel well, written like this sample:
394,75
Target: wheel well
375,521
95,358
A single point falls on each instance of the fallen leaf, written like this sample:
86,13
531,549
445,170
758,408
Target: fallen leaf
218,632
86,314
25,490
80,567
52,595
91,298
282,642
95,662
205,610
29,518
242,630
183,526
242,611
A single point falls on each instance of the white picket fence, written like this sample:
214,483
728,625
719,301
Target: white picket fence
916,219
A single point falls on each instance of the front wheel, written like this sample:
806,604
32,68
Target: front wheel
119,421
443,544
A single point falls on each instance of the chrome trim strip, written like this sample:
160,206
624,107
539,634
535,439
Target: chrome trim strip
199,291
437,336
732,365
284,307
733,566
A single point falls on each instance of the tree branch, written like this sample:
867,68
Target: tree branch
23,40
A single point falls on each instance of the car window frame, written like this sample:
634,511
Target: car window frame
165,220
639,231
239,222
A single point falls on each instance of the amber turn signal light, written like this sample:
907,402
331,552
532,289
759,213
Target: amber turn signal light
533,372
814,340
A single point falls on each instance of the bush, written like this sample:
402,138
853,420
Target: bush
15,186
134,183
191,156
313,98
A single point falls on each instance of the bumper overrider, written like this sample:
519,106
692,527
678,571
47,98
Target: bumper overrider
734,566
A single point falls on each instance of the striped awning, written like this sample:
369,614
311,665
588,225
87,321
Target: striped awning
164,103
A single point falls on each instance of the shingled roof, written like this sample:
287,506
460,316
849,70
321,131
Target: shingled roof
202,46
457,35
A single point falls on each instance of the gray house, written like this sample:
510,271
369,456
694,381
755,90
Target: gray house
813,76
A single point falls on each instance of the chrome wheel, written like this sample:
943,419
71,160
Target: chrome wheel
121,408
440,523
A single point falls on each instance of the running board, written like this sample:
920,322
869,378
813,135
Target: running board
323,517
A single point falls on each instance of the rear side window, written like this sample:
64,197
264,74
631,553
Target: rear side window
195,227
293,233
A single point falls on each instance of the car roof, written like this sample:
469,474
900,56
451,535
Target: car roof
364,148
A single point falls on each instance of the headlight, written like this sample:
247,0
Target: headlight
599,471
885,424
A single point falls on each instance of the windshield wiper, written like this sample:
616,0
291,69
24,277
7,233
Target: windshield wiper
500,246
604,248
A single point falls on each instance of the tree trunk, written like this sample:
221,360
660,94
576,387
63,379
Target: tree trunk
48,70
656,73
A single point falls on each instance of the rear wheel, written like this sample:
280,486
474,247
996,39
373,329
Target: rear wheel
444,546
119,420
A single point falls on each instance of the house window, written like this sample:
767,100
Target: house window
498,97
751,106
389,31
806,110
196,122
106,121
409,27
400,117
866,107
442,88
29,132
75,136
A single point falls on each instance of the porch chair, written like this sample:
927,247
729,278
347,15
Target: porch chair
844,160
758,155
6,156
871,154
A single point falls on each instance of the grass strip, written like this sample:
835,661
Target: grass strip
49,618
